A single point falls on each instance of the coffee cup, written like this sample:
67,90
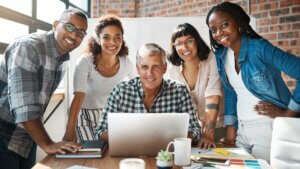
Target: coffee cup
132,163
182,151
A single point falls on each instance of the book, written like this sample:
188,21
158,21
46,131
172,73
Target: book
90,149
223,153
91,145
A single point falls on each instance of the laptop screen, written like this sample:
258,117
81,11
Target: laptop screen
144,134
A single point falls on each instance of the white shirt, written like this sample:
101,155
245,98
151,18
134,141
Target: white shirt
96,87
245,100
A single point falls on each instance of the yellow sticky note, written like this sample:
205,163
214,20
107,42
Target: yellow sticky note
221,151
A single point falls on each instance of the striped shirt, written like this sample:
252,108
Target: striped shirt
30,71
128,97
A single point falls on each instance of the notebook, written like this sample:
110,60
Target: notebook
144,134
235,153
90,149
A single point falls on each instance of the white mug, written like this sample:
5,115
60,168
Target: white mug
132,163
182,151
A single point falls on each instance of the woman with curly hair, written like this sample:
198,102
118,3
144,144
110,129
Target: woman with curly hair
97,72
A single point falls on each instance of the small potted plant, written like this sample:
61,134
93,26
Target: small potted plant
164,160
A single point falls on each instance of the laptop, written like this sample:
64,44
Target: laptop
144,134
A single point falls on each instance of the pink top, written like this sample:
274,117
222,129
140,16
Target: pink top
207,84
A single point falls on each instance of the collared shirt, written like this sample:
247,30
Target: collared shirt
207,84
128,97
30,71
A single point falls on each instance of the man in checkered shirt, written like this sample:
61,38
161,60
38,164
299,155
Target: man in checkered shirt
150,93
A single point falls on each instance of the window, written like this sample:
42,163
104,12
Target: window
11,30
23,6
52,15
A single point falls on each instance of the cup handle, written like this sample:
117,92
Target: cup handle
167,149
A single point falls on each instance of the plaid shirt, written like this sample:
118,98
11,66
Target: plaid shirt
128,97
30,71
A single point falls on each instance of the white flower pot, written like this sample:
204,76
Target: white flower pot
164,164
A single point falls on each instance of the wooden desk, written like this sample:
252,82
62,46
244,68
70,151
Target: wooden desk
105,162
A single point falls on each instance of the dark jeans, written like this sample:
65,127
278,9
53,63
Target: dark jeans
12,160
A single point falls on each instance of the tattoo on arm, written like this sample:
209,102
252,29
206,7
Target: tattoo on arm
211,124
212,106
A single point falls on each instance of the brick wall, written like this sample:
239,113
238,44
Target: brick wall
122,8
277,20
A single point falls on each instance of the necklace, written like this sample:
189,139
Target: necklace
108,70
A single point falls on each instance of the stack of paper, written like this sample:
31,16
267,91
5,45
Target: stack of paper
238,158
234,153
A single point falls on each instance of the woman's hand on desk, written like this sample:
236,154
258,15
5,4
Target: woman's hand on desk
206,143
61,147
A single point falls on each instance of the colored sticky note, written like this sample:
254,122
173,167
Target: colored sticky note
221,151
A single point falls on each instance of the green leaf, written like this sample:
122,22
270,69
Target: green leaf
164,156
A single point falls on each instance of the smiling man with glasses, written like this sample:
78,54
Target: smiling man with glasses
31,70
71,28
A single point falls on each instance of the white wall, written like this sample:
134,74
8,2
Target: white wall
157,29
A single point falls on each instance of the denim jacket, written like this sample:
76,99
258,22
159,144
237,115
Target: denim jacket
261,64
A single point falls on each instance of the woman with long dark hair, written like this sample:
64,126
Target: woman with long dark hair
250,70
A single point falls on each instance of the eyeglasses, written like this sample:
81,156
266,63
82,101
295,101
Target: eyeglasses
188,42
71,28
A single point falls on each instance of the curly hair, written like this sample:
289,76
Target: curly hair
238,14
94,47
184,30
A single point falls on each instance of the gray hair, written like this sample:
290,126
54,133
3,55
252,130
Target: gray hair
150,49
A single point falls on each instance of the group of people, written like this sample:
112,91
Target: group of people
236,82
